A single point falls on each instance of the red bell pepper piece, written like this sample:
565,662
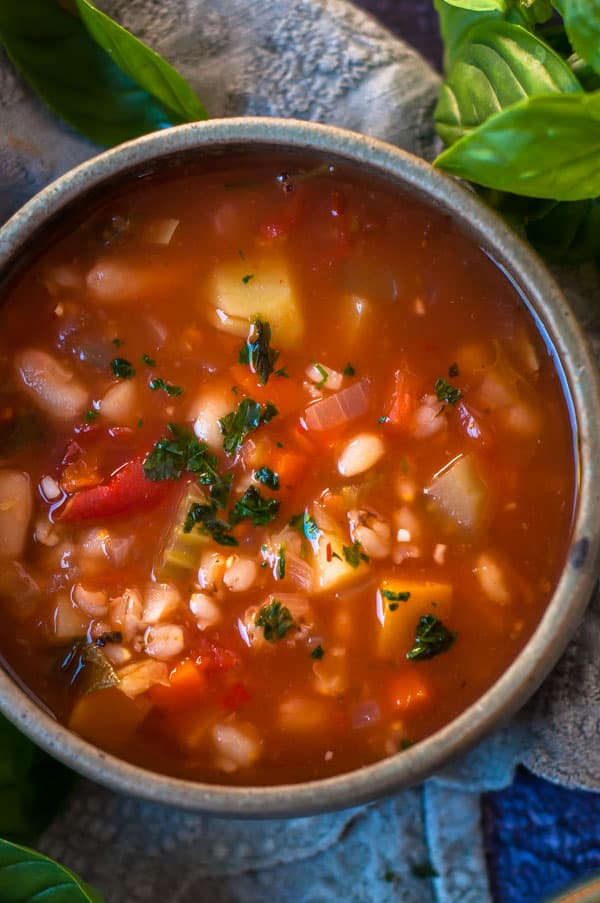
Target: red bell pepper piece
126,491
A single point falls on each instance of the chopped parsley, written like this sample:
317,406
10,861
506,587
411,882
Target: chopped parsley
149,361
118,342
267,477
391,596
204,518
318,652
431,638
445,392
275,620
169,388
140,423
349,370
322,373
353,555
122,369
306,525
252,505
282,372
247,417
280,570
180,453
90,415
246,279
453,371
257,351
393,606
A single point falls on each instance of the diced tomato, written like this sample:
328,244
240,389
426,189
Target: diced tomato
210,658
403,401
235,696
126,491
188,684
281,222
287,395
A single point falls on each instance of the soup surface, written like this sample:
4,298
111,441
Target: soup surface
286,476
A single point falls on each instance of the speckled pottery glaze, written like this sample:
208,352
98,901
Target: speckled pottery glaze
555,321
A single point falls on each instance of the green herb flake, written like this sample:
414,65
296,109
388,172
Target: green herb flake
453,371
257,351
91,415
445,392
140,423
122,369
246,279
275,619
393,606
118,342
169,388
203,517
353,555
431,638
318,652
335,555
241,254
322,373
282,372
267,477
149,361
391,596
269,412
257,509
181,452
279,444
236,425
280,571
349,370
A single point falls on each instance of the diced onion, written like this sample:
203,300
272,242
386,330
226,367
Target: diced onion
139,677
335,410
299,571
160,231
364,714
325,377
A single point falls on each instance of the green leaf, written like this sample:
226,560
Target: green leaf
480,5
32,786
74,77
544,147
29,876
497,65
569,232
142,64
582,22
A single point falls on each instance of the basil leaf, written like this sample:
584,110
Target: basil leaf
73,76
142,64
32,786
544,147
498,64
569,232
480,5
582,22
26,875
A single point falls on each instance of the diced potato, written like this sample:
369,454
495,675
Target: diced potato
332,572
19,592
15,512
304,715
69,620
331,672
108,717
399,618
460,492
268,294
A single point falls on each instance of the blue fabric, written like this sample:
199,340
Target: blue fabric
539,837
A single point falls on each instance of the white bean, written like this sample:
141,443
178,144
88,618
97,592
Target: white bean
16,504
52,385
164,641
93,603
237,745
120,403
373,534
161,600
208,408
126,613
139,677
205,611
491,579
360,454
240,573
50,489
211,571
429,418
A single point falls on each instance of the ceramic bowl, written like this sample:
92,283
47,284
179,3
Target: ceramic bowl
546,303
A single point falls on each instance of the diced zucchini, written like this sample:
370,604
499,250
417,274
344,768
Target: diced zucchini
460,492
263,288
181,552
399,616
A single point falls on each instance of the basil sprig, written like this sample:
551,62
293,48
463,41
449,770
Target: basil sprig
91,72
27,876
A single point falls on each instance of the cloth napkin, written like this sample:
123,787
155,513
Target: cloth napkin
327,61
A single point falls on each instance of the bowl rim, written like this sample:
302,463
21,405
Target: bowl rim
545,301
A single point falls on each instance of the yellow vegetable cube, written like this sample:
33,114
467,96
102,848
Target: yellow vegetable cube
399,615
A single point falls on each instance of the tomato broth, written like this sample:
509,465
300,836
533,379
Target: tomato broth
287,472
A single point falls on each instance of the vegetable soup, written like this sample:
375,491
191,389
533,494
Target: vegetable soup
287,472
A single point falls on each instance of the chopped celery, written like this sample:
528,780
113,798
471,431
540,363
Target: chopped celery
180,552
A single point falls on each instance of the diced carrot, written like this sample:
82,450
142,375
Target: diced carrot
409,693
188,684
289,466
404,401
287,395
